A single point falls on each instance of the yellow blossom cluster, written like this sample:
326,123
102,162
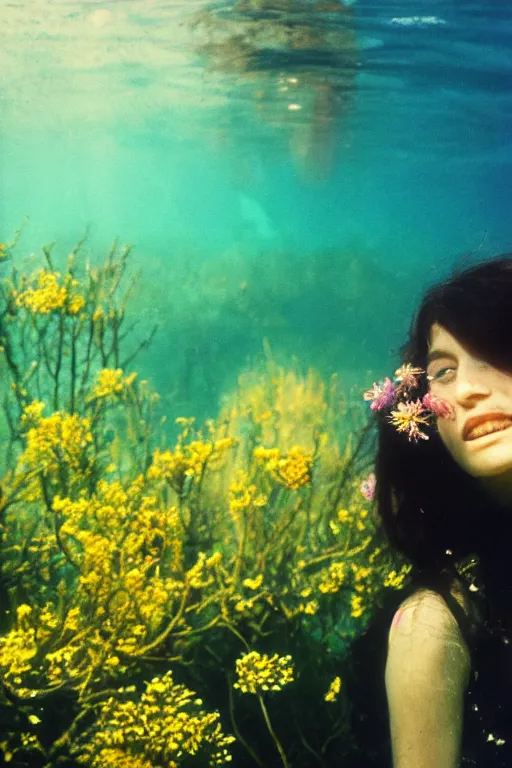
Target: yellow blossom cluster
109,757
199,576
156,600
111,382
253,583
293,470
51,294
356,605
56,440
130,515
395,579
334,578
360,575
63,662
187,461
26,742
309,608
17,650
287,406
94,553
245,606
167,724
345,516
184,461
116,537
32,414
334,690
243,495
259,672
116,558
267,456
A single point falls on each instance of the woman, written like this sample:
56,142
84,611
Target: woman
441,662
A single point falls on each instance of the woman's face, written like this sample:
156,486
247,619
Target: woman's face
480,436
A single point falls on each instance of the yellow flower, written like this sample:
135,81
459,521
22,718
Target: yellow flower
357,609
259,672
253,583
166,720
242,495
32,413
75,304
334,689
262,454
214,559
396,580
224,444
182,421
110,383
197,576
334,578
22,611
294,470
58,439
49,295
184,462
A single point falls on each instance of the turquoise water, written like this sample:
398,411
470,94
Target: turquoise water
291,174
281,168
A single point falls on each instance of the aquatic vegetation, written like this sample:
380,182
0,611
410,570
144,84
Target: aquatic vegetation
239,558
166,723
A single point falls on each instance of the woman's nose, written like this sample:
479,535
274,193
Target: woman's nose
472,380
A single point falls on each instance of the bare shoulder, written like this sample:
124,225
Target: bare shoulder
424,627
426,609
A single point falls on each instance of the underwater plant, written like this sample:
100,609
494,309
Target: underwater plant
237,560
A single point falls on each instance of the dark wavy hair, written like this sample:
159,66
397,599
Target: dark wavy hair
431,511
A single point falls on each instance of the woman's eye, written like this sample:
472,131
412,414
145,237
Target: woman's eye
441,374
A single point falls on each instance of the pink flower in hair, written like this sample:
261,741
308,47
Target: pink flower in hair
381,395
407,375
415,432
439,406
367,487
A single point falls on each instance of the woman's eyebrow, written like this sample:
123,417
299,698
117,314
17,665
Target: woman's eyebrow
437,354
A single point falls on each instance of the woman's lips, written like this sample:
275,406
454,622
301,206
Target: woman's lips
488,427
